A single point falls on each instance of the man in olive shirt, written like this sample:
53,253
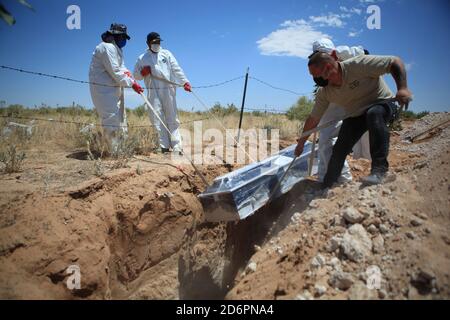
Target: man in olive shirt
355,84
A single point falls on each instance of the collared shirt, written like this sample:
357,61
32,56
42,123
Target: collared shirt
362,85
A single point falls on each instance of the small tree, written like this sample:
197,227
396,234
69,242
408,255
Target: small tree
217,108
301,109
231,108
224,111
422,114
140,111
13,110
412,115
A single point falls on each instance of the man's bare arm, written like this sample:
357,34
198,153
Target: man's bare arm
310,123
398,72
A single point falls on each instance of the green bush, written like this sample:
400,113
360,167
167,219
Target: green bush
411,115
140,111
408,115
45,110
224,111
300,110
422,114
73,111
13,110
17,110
231,108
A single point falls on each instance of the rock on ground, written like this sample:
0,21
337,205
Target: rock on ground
356,244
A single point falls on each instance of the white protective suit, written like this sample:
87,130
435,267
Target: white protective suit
328,136
162,95
108,68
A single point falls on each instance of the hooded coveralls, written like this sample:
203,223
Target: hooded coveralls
108,69
162,95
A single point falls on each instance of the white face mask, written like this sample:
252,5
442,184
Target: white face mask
155,47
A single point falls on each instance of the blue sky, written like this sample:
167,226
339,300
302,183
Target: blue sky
217,40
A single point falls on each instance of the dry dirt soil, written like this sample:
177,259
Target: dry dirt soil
139,232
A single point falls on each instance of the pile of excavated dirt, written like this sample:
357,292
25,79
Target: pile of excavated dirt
350,242
141,234
389,241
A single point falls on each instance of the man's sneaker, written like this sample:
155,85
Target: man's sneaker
373,179
165,150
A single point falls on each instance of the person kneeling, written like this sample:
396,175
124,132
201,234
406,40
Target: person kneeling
356,84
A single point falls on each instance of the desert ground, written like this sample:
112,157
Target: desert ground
136,229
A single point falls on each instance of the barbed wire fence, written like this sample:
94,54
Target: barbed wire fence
280,89
262,110
89,125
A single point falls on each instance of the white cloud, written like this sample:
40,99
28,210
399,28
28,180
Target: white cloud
294,38
355,33
363,2
330,20
351,10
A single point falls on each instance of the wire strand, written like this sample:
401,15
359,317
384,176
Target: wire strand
90,123
108,85
281,89
266,110
226,131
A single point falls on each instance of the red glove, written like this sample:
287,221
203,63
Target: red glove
187,87
136,87
128,73
146,71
